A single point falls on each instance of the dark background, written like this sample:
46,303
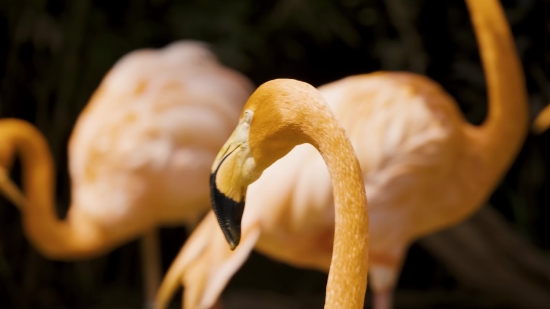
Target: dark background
53,54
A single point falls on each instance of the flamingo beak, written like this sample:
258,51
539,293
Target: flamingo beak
228,210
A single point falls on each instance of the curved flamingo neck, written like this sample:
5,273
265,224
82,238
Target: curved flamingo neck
293,113
37,164
347,279
501,135
53,237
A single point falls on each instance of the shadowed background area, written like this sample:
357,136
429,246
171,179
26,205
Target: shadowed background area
55,53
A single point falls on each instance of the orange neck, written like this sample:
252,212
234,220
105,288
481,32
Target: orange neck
52,237
347,279
38,167
293,113
542,122
502,134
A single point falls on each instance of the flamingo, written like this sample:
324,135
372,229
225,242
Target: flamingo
278,116
425,168
542,122
139,155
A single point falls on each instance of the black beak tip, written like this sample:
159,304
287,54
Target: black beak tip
229,214
229,219
233,244
232,233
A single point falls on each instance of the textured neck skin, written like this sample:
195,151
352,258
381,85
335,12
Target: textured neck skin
293,113
41,224
347,276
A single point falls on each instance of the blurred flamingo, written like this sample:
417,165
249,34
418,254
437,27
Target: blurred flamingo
425,168
542,122
139,155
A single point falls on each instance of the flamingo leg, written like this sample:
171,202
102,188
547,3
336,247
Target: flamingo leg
218,305
151,265
383,279
383,299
